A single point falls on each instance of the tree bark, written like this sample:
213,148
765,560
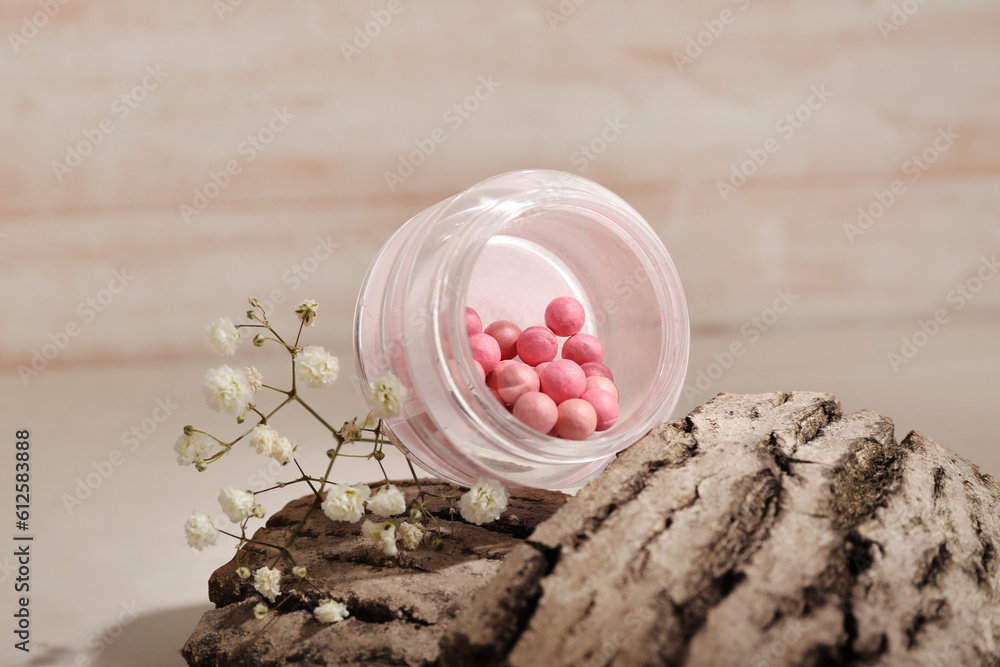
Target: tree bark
760,530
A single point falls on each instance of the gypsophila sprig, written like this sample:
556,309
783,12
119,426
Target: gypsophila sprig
316,367
267,582
330,611
200,531
386,396
224,336
346,503
227,390
191,448
307,312
238,505
388,501
396,518
484,502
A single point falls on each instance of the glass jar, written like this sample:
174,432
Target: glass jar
507,247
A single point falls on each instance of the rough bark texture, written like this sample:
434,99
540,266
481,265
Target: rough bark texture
760,530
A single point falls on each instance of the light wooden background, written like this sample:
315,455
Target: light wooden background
560,83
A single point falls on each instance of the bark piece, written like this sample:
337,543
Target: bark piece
760,530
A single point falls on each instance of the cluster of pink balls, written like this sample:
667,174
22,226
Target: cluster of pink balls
569,397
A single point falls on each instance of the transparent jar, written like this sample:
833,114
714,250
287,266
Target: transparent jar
507,247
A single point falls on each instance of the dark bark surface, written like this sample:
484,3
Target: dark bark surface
760,530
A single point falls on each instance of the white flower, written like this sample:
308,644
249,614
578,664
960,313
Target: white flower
226,390
316,367
254,378
243,572
267,582
411,534
282,451
330,611
224,336
372,530
383,532
265,440
307,312
200,531
484,502
191,448
262,439
237,505
300,571
260,610
387,501
346,503
386,395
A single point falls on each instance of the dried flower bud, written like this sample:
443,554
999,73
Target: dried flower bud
201,465
416,514
300,571
378,455
188,430
243,572
258,511
438,544
307,311
258,340
254,302
260,611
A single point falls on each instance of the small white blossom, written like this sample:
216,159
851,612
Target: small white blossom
316,367
260,610
224,336
330,611
411,534
226,390
191,448
237,505
243,572
484,502
267,582
386,395
254,378
262,439
383,532
265,440
372,530
346,503
387,501
300,571
282,451
307,312
200,531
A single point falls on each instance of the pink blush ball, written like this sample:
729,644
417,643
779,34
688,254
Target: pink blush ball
597,368
604,384
485,350
537,411
473,323
605,405
582,348
565,316
562,380
537,345
577,419
479,369
506,333
541,367
515,380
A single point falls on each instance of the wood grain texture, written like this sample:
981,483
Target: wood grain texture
354,120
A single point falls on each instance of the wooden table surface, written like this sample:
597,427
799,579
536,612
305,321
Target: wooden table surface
122,233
